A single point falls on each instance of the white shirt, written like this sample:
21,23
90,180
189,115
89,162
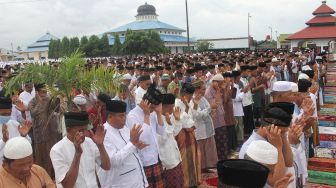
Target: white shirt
126,167
186,118
247,98
169,152
139,93
254,136
300,159
202,119
13,131
294,67
313,98
62,154
16,115
149,155
237,102
26,97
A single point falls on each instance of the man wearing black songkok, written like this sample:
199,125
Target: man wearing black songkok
76,156
122,145
149,114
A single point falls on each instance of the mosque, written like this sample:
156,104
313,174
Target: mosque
147,19
320,32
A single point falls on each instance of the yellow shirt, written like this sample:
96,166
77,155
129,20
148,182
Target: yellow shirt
38,179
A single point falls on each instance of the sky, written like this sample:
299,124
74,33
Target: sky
22,22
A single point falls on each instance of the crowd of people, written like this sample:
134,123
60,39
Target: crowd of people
174,117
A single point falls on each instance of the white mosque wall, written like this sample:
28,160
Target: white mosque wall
320,43
229,43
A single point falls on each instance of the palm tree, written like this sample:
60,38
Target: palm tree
71,73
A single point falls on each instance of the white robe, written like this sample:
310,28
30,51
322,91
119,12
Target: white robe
139,93
126,167
149,155
62,154
169,152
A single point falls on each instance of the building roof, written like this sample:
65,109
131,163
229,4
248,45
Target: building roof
42,44
146,9
175,38
47,37
323,25
145,25
164,38
38,49
322,20
324,9
315,33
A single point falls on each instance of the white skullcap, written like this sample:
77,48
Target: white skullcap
318,57
295,87
17,148
79,100
218,77
303,76
275,59
262,152
282,86
127,77
306,67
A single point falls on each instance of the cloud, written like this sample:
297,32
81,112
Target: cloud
23,22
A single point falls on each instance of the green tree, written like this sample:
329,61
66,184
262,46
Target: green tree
65,46
117,46
92,49
156,45
51,49
203,46
74,44
57,49
83,44
104,46
142,42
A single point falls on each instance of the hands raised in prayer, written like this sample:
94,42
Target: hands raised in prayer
99,136
274,136
135,137
177,113
158,109
79,138
93,119
196,100
24,128
145,106
20,106
167,116
18,103
294,133
5,133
